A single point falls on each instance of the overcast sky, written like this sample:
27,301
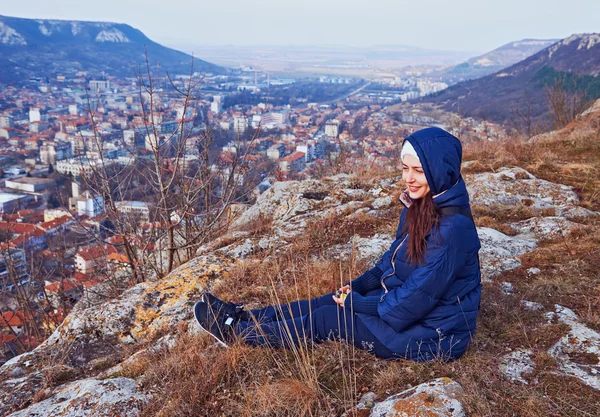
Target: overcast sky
467,25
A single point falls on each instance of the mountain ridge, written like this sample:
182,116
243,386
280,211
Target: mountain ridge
48,47
573,61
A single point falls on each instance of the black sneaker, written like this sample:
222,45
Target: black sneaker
217,325
236,311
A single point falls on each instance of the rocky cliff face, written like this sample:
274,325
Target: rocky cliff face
78,371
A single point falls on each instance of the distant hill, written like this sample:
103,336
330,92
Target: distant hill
573,62
495,60
45,48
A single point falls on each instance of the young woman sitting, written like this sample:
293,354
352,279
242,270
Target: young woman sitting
420,300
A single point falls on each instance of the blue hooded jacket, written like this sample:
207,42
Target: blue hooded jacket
428,310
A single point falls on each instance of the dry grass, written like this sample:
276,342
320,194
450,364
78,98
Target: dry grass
571,157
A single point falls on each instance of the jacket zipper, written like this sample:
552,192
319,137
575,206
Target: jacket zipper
393,270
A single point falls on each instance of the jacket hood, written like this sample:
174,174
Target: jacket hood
440,154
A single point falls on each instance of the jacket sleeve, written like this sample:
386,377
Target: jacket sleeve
368,281
423,288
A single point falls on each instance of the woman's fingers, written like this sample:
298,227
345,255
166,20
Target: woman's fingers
345,289
338,301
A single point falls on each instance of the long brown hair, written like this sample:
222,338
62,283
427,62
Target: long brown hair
421,218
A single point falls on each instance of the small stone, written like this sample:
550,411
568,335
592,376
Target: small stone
507,288
517,363
530,305
382,202
440,397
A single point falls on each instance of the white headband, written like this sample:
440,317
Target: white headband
407,149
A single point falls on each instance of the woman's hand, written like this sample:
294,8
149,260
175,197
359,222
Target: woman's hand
345,290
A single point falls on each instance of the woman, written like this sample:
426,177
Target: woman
421,299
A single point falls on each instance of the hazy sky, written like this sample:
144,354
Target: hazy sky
469,25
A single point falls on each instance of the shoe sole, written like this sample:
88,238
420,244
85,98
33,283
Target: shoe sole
206,330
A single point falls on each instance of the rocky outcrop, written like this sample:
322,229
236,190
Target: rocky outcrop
292,206
511,186
362,248
98,334
500,252
578,352
117,397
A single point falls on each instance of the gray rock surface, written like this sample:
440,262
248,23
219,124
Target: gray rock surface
500,252
117,397
517,363
440,397
370,249
578,352
511,186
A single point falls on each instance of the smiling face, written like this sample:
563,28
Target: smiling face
414,177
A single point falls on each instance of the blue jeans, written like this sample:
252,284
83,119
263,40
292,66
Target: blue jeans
315,320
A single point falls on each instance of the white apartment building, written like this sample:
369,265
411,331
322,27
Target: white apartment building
332,128
35,115
240,124
88,205
97,85
136,209
129,137
6,121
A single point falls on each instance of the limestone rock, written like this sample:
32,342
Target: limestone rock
517,363
440,397
382,202
117,397
138,316
500,252
532,306
283,201
578,352
370,248
512,186
292,206
544,227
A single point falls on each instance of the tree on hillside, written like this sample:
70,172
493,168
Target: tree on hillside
566,98
182,186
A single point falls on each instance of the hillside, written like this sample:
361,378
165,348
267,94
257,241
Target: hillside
519,90
495,60
536,351
46,48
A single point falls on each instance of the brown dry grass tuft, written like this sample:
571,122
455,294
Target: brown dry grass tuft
287,397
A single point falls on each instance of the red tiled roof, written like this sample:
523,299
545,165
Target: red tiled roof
53,224
7,338
293,157
18,228
13,318
95,252
62,286
118,257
